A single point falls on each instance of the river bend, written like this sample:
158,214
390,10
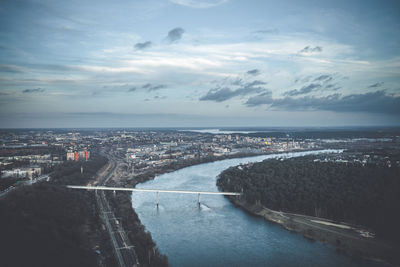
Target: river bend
219,234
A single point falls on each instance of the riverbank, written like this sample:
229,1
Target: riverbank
149,174
122,205
344,237
144,247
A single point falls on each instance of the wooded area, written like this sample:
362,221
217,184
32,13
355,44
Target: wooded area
49,225
368,195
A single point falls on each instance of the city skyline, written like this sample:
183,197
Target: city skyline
186,63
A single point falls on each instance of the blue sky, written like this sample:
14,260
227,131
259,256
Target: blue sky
199,63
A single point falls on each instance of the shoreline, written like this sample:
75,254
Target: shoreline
171,167
121,203
344,240
124,206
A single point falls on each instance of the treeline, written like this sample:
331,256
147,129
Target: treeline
69,172
7,182
10,152
183,163
145,248
49,225
331,133
368,196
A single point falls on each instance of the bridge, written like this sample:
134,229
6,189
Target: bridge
154,190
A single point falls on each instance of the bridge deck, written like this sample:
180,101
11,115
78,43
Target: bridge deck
152,190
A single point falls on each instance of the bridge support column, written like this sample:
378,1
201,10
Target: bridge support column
157,198
198,199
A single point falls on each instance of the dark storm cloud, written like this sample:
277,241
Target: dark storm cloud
35,90
375,85
309,49
175,34
132,89
153,87
304,90
372,102
254,72
141,46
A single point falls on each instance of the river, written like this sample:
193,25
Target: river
218,234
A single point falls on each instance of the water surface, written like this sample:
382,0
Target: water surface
217,233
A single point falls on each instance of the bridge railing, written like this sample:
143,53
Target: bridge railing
157,191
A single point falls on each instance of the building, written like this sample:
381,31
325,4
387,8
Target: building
28,172
70,155
78,155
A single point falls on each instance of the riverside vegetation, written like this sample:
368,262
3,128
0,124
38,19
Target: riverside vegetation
47,224
367,196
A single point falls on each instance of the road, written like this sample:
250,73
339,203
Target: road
124,251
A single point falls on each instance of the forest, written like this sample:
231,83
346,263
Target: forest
69,172
49,225
363,195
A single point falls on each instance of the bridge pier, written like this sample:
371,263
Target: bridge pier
198,199
157,198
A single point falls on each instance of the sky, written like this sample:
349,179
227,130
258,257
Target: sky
206,63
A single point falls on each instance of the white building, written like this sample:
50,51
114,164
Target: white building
28,172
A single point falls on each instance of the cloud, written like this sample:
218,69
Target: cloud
219,95
261,99
325,78
132,89
267,31
199,4
372,102
144,45
152,87
31,91
96,93
255,83
304,90
308,49
10,69
254,72
223,94
238,81
175,34
333,87
160,97
375,85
